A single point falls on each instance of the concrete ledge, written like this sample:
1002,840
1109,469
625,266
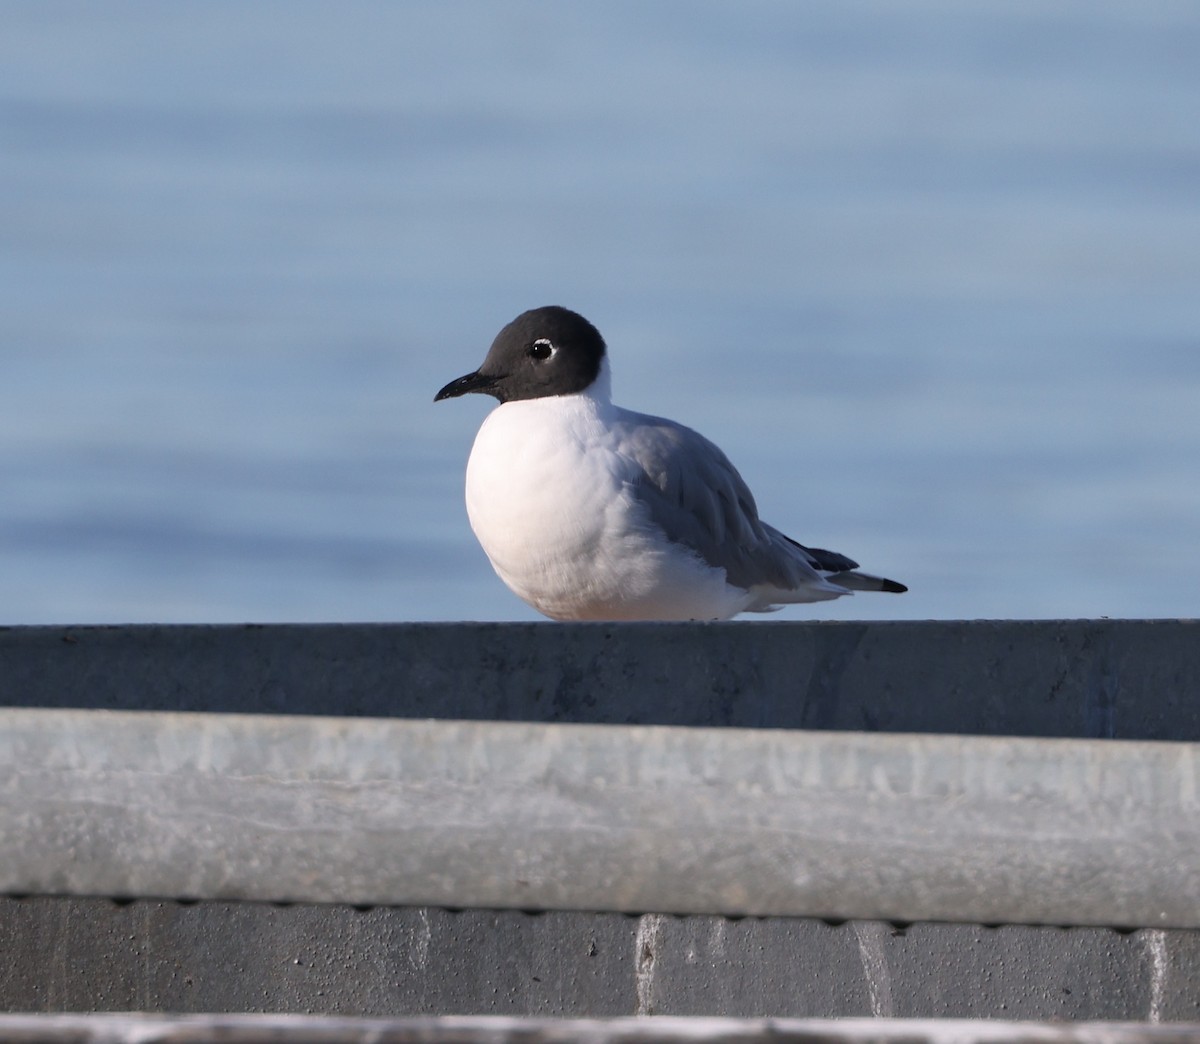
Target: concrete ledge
249,1029
1075,678
636,819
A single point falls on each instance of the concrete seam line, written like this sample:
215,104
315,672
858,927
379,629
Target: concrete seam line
636,819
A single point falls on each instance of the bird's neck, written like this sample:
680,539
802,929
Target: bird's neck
600,390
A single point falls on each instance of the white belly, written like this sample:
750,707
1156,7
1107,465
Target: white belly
552,505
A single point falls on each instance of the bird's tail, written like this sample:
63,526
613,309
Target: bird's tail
852,580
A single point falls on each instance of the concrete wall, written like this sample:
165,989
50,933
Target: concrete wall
95,955
1087,679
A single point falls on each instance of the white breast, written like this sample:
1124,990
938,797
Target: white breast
552,503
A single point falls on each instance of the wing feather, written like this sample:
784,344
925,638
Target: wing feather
696,496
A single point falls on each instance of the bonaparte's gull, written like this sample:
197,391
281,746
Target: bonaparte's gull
592,512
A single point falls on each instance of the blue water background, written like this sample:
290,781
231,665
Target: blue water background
929,273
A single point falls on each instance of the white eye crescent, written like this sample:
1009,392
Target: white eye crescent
541,350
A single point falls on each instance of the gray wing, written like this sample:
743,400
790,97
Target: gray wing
698,498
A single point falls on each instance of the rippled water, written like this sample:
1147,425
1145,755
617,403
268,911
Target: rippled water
928,274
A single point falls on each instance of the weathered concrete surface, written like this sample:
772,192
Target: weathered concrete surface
1085,678
586,817
1092,679
94,955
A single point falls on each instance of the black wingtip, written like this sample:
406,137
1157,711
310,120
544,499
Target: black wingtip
893,588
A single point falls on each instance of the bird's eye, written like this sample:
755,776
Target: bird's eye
540,350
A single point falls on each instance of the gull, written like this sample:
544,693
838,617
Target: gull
588,511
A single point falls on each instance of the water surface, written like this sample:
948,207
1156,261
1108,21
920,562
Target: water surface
928,275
